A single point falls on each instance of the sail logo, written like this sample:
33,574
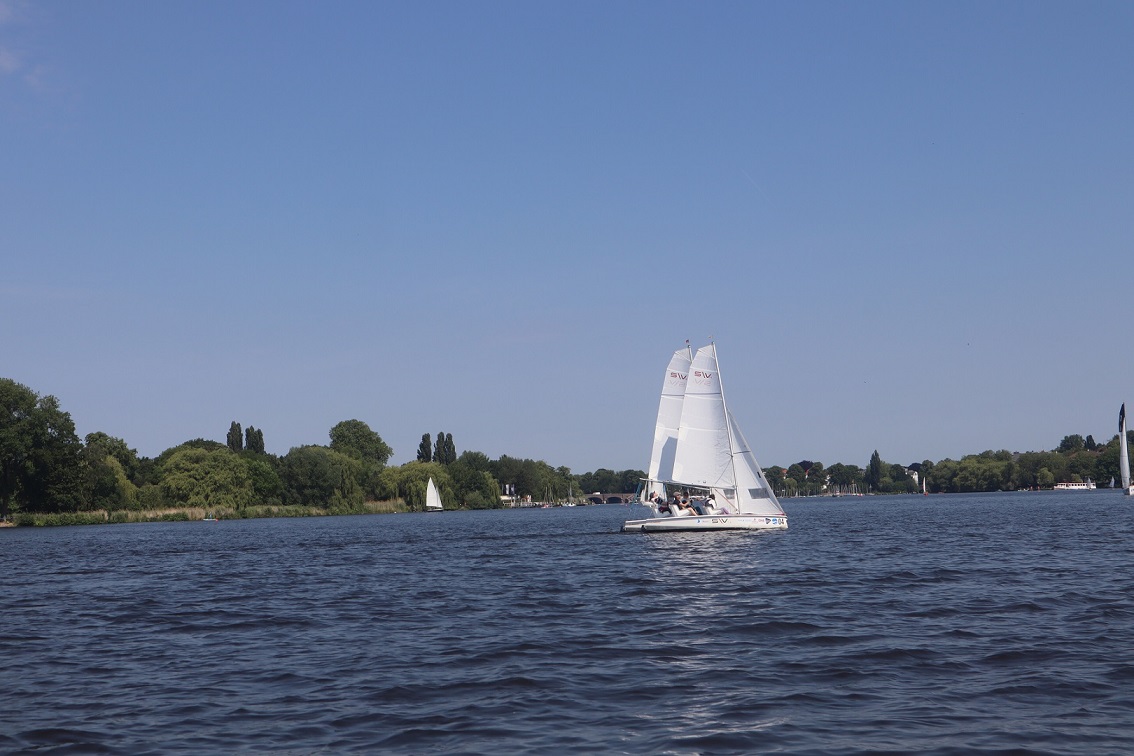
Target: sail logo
702,378
677,375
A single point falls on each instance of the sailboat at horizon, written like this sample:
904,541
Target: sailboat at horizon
432,498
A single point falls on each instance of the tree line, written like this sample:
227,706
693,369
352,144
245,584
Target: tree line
1074,460
46,468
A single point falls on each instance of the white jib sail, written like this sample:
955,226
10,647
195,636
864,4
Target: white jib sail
754,494
669,416
1123,454
432,498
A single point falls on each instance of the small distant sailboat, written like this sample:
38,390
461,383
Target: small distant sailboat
699,450
1123,453
432,498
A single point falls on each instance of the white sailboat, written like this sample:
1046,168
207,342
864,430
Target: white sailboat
700,451
1123,453
432,498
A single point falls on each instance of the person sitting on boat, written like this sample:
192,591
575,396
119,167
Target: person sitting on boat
684,509
711,504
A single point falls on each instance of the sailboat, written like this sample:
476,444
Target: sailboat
699,451
432,498
1123,454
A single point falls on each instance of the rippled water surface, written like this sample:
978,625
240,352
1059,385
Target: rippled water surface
943,624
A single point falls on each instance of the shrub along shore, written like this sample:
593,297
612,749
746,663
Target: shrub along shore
186,514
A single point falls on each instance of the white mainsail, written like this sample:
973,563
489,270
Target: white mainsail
711,450
1123,454
432,498
669,415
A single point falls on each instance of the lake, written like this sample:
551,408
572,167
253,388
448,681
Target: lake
941,624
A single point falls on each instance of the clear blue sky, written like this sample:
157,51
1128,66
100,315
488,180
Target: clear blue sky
908,225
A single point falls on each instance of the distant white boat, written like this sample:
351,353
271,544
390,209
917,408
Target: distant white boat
1123,453
700,452
432,498
1087,485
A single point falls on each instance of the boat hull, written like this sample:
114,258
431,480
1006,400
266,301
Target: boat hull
705,522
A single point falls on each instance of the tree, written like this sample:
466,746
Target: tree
197,477
424,453
315,476
1072,443
873,477
108,472
40,455
254,440
450,450
235,437
17,408
355,439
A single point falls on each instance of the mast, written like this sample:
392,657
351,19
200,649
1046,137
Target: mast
728,422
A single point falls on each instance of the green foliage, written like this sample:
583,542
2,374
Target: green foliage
873,476
235,437
267,487
254,440
842,475
1072,443
315,476
355,439
196,477
474,489
40,455
424,453
444,451
411,480
209,479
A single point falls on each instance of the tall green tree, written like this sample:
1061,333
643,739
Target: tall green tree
235,437
109,469
17,415
40,455
254,440
424,449
873,477
439,448
355,439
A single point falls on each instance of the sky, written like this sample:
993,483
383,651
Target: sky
907,226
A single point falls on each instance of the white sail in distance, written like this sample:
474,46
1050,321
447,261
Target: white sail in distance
669,415
432,497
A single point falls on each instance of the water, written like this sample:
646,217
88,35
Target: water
947,624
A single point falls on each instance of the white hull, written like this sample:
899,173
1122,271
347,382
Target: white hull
706,522
1088,486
